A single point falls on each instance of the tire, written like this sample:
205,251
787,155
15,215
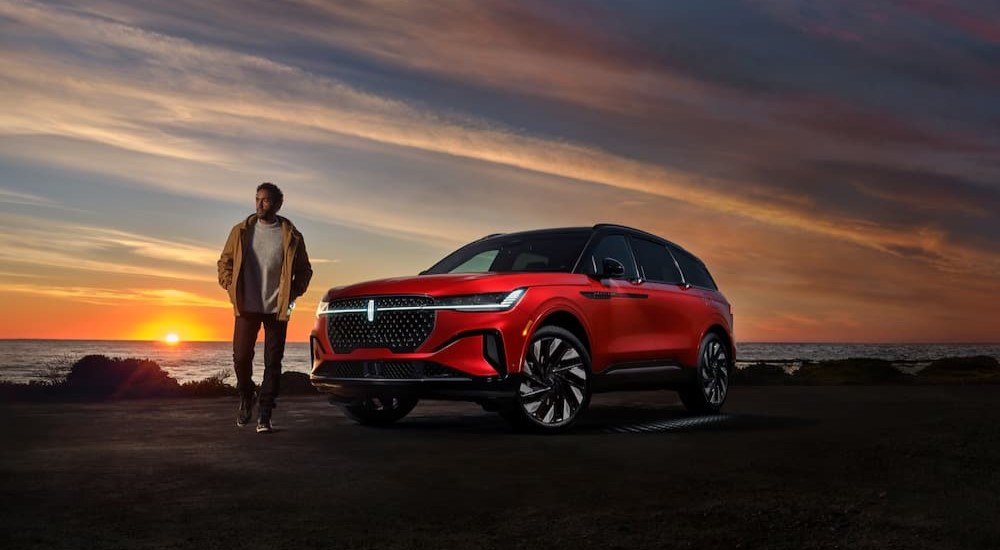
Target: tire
555,382
380,411
708,393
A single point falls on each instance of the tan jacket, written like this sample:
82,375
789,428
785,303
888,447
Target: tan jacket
295,268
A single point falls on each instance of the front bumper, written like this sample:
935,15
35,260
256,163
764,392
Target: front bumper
375,381
470,366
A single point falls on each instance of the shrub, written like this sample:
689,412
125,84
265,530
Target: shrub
979,368
850,371
760,374
216,385
32,391
100,377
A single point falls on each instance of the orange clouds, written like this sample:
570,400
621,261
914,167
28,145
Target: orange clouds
325,104
820,214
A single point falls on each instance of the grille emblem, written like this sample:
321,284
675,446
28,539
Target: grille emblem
371,311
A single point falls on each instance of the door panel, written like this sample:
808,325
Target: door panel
674,305
624,312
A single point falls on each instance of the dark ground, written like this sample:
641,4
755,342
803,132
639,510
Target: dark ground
787,467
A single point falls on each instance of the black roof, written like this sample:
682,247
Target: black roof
595,228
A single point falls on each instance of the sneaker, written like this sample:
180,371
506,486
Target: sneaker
264,423
246,409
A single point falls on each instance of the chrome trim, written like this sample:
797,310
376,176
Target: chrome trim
508,302
479,307
642,370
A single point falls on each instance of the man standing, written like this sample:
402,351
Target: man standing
264,267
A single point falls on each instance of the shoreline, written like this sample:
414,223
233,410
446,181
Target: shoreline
27,360
102,378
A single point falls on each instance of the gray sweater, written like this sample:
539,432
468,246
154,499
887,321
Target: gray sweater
262,268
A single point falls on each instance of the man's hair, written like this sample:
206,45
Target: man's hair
272,189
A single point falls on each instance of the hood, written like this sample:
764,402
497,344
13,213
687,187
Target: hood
453,284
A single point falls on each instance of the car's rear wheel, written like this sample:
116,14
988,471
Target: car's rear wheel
555,382
380,410
709,391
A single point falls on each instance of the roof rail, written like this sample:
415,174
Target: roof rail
490,236
615,225
639,231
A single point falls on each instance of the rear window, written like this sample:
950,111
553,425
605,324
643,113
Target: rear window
655,261
695,272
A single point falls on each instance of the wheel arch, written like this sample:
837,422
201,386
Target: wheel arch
568,321
721,332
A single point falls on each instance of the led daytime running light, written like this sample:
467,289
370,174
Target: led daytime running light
492,301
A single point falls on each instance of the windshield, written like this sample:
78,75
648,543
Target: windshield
542,251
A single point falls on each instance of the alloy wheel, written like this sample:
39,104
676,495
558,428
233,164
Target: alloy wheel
554,384
714,373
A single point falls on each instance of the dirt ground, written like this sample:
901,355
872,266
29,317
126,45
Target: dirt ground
785,467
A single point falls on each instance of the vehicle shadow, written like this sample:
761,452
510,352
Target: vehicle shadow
611,420
622,419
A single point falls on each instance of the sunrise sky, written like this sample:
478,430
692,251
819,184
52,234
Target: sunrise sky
836,164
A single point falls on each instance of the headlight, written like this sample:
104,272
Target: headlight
494,301
323,306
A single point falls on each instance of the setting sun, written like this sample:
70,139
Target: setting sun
171,338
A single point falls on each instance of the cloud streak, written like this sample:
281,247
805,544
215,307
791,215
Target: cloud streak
67,247
106,296
321,106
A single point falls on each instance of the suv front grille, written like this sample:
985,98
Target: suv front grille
402,331
388,370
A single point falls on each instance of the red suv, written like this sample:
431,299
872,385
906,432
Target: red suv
529,325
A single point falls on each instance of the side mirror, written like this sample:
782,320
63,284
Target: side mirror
612,269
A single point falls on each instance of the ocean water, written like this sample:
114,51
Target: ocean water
26,360
906,354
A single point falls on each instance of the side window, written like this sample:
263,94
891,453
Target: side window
655,261
480,263
611,246
695,272
529,261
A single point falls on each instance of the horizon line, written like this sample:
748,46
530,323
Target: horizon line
775,342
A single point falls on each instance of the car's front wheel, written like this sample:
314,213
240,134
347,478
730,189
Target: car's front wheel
555,382
380,411
711,385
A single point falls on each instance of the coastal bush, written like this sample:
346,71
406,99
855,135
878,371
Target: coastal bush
216,385
850,371
979,368
53,371
101,377
32,391
760,374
